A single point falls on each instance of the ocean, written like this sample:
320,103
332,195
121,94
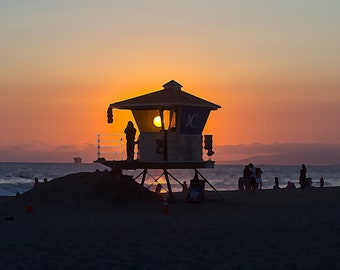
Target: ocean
19,177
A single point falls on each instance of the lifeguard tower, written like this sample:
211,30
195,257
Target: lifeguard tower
170,123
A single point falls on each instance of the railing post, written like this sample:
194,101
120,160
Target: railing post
98,146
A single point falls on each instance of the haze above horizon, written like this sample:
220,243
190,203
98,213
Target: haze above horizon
272,65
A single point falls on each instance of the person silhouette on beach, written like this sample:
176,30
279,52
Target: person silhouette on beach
185,190
258,178
253,183
158,188
240,183
322,182
290,185
184,187
302,180
130,132
276,184
247,177
36,182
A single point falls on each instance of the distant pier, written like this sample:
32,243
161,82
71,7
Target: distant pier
77,160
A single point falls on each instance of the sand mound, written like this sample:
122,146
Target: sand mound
95,187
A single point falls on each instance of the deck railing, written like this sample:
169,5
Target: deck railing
110,146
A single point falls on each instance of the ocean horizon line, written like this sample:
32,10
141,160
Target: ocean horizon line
217,163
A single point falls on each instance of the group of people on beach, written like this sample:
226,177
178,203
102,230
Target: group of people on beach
35,185
36,182
252,179
290,185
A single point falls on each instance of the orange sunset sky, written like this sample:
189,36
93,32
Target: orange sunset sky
273,66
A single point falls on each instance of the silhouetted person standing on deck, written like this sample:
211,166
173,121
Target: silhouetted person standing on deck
130,132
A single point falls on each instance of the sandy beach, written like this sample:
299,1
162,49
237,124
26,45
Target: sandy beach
101,221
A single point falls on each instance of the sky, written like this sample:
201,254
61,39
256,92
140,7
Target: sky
273,66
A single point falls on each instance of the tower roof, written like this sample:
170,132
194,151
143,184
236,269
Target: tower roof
170,96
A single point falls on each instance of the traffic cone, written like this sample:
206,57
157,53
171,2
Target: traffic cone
29,208
165,206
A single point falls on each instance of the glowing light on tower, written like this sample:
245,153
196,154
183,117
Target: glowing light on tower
157,121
